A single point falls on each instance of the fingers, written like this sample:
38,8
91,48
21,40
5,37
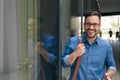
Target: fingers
81,46
107,77
39,46
80,49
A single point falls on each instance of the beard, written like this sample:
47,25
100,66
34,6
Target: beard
91,33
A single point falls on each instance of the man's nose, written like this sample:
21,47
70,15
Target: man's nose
91,26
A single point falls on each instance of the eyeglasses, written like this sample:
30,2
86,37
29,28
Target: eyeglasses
92,24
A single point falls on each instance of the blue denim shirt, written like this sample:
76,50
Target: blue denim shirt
97,58
49,68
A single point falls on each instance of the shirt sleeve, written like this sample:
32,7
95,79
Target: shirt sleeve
110,62
70,47
52,59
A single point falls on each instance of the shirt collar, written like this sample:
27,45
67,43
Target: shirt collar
84,39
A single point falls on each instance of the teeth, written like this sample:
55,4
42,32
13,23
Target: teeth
91,31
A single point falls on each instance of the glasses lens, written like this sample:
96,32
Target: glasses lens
92,24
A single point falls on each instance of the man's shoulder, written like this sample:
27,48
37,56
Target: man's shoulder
73,40
103,42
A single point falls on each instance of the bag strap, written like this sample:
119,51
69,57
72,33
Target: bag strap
78,64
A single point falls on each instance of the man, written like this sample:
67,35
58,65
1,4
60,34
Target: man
47,55
97,61
110,34
47,58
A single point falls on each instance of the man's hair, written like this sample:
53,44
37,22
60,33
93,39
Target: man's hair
93,13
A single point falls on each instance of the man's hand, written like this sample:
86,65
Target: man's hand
109,74
39,47
78,52
42,51
107,77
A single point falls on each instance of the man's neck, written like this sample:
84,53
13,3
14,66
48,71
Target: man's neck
91,40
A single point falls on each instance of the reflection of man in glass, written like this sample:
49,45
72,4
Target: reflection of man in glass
46,48
31,37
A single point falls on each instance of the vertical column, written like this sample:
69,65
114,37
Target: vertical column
10,35
64,29
1,33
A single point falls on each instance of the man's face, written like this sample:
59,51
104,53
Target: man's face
92,26
32,23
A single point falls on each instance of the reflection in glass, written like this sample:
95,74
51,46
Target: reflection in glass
32,58
46,57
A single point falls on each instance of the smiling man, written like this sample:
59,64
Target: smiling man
97,61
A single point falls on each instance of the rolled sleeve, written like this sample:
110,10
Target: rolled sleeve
51,57
112,68
66,63
111,65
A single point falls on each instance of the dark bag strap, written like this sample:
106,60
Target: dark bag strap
78,64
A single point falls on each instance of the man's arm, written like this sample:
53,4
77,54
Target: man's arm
42,51
45,54
78,52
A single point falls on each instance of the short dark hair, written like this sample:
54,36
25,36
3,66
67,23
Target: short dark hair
93,13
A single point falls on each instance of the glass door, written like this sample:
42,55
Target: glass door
27,38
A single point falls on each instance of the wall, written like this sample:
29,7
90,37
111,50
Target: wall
8,36
1,34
